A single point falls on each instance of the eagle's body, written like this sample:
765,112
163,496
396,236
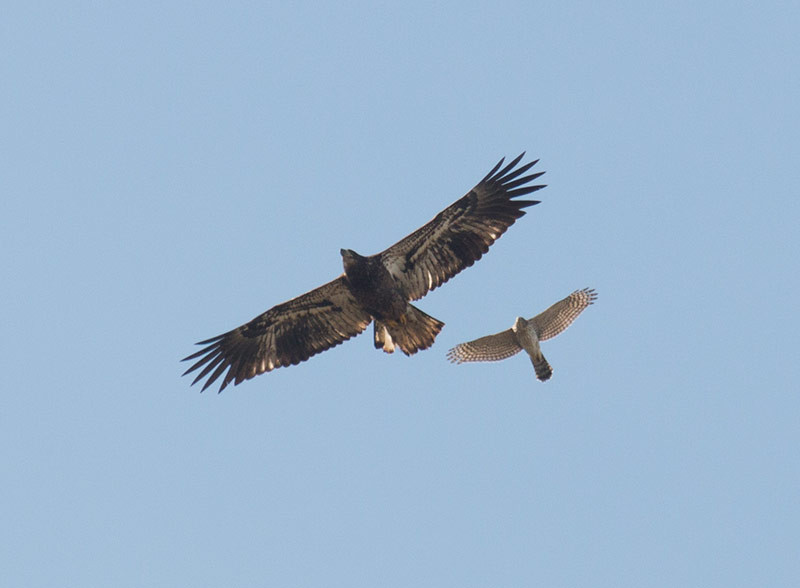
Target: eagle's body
375,288
379,293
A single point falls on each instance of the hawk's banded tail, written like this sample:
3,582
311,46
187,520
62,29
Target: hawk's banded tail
413,332
542,367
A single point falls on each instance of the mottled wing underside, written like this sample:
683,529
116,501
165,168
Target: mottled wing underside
489,348
284,335
459,235
558,317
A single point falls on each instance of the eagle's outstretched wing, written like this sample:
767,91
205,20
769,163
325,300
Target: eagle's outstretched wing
284,335
459,235
489,348
559,316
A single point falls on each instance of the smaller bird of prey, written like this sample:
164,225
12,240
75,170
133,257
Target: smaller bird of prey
526,334
377,288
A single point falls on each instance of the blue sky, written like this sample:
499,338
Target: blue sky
170,170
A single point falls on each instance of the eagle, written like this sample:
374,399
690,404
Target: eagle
377,288
526,334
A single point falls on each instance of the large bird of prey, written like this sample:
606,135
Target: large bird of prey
376,288
526,334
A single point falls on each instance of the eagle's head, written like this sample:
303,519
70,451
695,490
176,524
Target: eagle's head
350,259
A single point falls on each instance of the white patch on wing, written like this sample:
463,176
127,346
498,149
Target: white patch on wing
394,267
430,280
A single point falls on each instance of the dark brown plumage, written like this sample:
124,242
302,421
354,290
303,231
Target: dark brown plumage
379,287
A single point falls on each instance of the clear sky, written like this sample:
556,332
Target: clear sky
172,169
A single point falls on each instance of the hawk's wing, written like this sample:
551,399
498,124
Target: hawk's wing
489,348
459,235
284,335
558,317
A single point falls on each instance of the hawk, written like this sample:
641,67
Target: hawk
376,288
526,334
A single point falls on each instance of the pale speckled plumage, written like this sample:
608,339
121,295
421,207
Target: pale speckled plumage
526,334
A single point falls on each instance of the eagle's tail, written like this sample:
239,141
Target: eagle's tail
542,367
414,331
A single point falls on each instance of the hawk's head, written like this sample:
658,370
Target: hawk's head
519,324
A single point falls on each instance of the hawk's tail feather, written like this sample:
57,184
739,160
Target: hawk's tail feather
542,367
415,331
